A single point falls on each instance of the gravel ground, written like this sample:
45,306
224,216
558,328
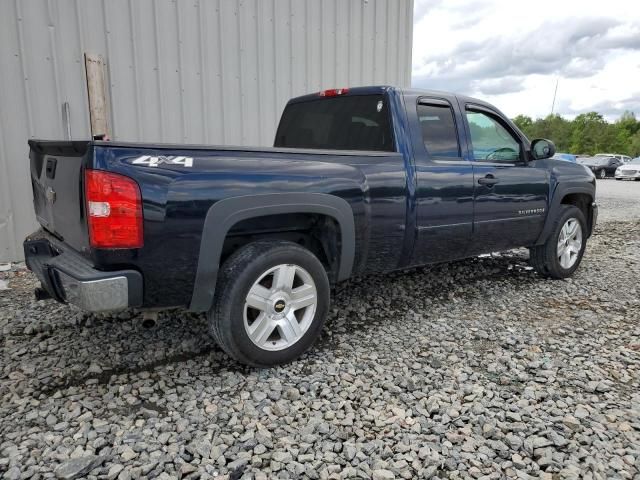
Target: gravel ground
619,200
477,369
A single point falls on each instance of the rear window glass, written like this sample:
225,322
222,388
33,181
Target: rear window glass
338,123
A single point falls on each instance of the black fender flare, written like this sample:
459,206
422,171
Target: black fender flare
561,191
224,214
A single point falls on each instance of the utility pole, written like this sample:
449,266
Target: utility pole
553,104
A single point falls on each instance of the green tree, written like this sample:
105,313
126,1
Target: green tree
625,129
634,145
556,129
588,130
524,123
628,123
587,134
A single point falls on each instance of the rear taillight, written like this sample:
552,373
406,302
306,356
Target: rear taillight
114,210
333,92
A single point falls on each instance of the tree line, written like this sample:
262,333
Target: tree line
587,134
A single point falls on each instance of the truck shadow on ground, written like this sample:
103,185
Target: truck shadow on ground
75,349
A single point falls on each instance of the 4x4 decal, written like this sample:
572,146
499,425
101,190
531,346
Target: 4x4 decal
151,161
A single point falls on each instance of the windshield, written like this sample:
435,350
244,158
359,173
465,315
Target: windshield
635,161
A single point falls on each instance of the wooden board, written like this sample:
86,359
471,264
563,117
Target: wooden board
98,106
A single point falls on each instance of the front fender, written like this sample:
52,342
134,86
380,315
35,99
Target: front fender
561,191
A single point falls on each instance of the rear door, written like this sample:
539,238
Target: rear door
444,190
510,194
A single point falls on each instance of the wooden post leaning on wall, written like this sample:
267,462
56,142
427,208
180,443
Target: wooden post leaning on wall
96,89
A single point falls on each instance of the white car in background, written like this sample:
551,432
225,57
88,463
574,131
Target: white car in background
629,170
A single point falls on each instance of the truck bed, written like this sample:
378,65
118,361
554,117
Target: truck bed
177,196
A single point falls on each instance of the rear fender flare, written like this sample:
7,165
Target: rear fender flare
224,214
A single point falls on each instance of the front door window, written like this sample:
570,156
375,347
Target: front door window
491,141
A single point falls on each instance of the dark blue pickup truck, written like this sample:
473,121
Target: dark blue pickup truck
360,180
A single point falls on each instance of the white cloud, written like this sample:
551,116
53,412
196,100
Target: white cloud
512,53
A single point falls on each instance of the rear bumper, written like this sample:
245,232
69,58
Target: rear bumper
70,278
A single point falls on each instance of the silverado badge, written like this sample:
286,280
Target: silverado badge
531,211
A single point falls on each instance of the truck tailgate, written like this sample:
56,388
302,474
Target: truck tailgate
56,177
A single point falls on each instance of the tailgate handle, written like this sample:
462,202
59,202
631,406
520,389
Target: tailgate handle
51,167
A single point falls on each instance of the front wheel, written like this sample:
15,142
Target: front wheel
271,302
562,253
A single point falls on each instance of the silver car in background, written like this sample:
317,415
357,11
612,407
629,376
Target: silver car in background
629,170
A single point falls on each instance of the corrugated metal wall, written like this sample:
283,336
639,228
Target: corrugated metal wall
198,71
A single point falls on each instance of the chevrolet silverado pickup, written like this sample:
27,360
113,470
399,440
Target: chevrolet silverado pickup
360,180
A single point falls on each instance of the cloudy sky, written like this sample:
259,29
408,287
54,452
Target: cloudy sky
511,52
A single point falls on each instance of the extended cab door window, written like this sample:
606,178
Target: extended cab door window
439,131
491,140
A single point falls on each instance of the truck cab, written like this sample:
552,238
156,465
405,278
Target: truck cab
474,182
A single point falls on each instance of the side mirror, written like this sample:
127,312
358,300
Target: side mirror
542,148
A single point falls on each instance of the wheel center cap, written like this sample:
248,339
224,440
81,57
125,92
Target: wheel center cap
279,306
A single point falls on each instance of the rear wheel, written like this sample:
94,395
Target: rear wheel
271,303
562,253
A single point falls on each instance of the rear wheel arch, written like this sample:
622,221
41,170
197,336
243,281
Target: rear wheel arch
317,232
225,214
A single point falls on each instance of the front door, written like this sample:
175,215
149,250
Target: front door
510,194
444,190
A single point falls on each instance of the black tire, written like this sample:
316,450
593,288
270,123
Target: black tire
237,276
544,258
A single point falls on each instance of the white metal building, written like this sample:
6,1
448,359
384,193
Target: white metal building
196,71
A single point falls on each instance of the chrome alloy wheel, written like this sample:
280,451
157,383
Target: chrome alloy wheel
280,307
569,243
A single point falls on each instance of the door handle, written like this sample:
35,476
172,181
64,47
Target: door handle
489,180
